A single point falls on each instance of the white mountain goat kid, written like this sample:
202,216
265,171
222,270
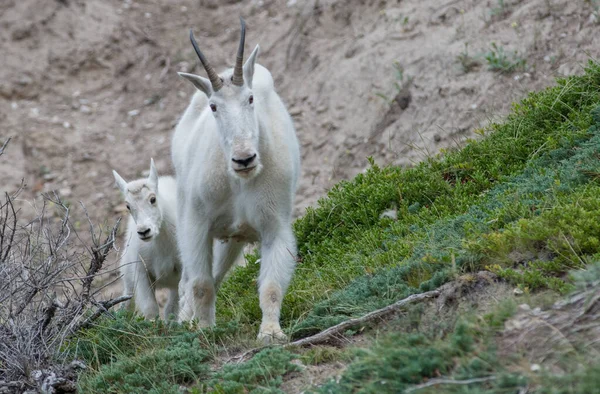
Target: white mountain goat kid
151,257
237,161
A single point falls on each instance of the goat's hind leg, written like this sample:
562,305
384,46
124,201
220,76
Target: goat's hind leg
226,253
276,270
172,305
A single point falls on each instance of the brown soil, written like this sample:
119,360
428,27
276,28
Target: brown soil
88,86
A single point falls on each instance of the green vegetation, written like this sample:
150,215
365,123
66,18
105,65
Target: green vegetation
263,373
467,62
468,352
498,60
401,360
398,83
131,355
523,202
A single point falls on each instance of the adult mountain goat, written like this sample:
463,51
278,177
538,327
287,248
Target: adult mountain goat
237,161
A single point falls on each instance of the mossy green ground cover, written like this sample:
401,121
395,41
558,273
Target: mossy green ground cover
523,202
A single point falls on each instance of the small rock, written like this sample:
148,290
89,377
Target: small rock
535,367
66,125
517,291
390,214
295,111
65,192
86,157
85,109
14,105
152,100
24,80
49,176
77,364
437,137
524,308
133,112
547,58
322,109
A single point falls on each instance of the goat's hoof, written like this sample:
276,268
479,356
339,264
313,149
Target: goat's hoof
272,335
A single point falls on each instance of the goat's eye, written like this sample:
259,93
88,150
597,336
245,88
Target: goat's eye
128,207
152,200
251,99
213,107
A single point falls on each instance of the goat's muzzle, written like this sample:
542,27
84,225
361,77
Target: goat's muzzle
145,235
244,164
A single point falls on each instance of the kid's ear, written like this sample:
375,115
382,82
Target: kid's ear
121,184
153,177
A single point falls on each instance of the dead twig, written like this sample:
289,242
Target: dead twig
103,307
331,332
435,382
38,260
4,145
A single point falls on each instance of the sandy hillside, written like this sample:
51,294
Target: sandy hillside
88,86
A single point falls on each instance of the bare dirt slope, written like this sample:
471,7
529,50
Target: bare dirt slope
88,86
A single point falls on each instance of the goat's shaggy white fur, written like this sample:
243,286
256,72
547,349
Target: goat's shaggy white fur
151,258
237,161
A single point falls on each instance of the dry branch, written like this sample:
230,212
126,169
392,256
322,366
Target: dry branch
4,145
435,382
338,329
39,259
103,307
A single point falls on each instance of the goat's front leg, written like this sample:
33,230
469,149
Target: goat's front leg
145,299
198,286
277,265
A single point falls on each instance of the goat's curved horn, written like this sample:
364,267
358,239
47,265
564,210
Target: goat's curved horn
238,74
215,80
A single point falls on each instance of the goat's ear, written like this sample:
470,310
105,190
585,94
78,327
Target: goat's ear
199,82
121,184
153,177
249,67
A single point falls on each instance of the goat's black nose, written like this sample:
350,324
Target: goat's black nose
246,161
144,233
